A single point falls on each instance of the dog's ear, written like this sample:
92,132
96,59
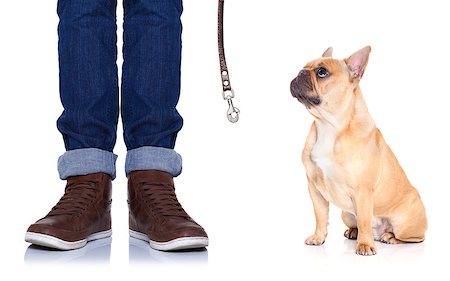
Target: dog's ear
357,62
328,53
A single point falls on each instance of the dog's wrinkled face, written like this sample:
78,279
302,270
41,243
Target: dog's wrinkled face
327,83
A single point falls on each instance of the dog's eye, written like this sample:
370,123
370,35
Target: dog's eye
322,72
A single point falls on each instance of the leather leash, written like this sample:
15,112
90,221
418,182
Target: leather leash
228,92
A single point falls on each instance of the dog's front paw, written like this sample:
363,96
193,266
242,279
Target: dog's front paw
365,250
315,240
351,233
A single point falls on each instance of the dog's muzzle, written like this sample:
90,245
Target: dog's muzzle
301,89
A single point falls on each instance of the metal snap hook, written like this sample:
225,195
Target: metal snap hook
232,112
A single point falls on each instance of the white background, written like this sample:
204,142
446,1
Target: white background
243,182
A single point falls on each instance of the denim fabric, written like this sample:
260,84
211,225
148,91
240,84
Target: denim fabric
89,78
153,158
151,73
88,73
86,161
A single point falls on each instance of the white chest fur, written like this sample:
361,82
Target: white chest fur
333,188
322,150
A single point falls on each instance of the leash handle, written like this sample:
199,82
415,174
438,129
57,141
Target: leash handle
228,92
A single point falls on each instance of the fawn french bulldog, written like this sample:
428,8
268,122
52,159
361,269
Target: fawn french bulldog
349,164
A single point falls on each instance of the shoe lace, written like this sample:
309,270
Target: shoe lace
75,200
161,198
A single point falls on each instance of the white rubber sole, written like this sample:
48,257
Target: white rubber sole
56,243
182,243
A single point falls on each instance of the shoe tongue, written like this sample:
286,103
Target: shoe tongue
151,176
76,184
176,216
90,178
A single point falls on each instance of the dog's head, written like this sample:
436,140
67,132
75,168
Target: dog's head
326,84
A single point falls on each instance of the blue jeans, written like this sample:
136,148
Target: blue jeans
89,85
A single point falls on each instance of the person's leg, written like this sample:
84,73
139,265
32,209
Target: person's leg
150,92
89,94
151,84
88,86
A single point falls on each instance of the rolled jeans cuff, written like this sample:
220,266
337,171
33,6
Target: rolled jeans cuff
86,161
153,158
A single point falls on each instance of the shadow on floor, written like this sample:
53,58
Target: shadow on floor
140,251
98,251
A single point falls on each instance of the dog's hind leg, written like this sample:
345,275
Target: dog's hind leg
407,228
406,233
350,221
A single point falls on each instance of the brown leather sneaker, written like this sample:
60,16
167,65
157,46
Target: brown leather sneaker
157,217
83,214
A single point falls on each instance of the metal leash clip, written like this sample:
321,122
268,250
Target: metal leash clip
232,112
228,93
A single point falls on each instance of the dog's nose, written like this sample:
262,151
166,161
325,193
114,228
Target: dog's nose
304,72
294,86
